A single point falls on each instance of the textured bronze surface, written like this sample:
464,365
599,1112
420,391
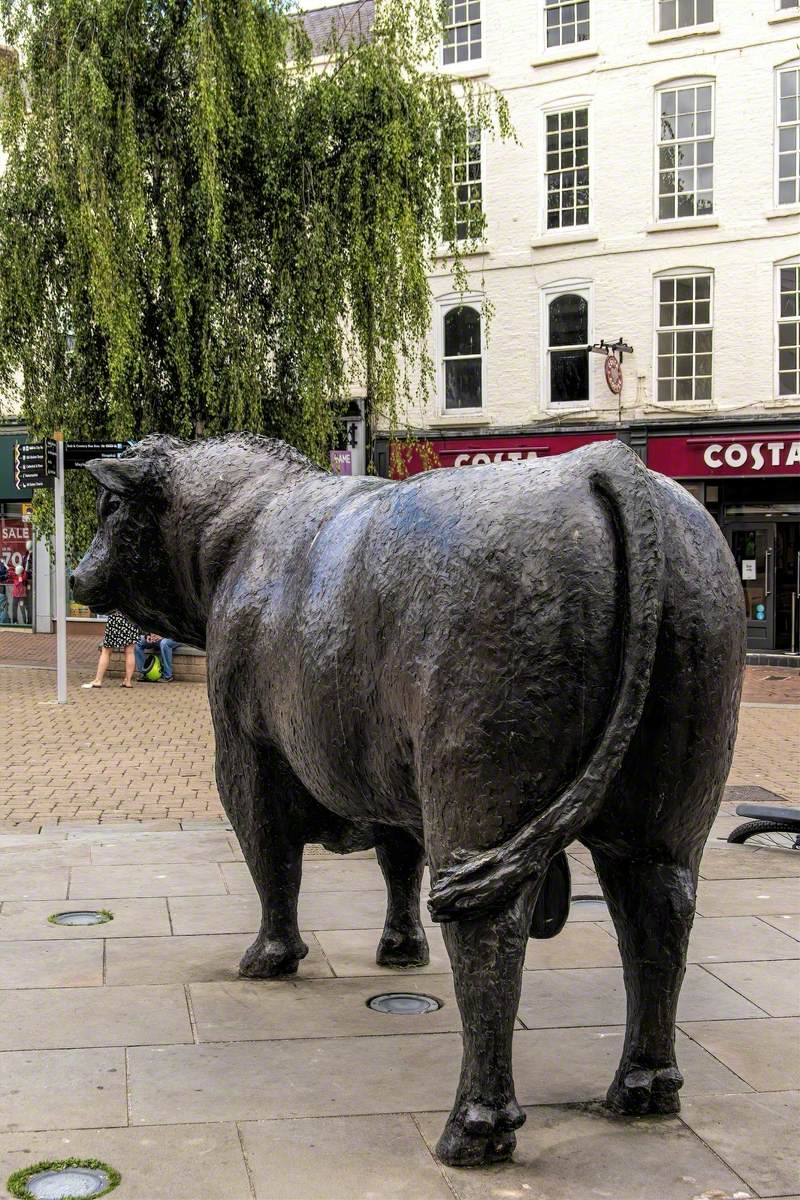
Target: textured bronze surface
470,667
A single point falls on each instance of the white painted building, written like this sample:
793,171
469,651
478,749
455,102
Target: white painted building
654,196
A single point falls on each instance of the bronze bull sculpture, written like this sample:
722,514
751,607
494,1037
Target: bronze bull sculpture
473,667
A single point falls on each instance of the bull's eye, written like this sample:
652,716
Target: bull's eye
110,504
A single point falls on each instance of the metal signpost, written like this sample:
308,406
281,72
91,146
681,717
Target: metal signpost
42,464
61,574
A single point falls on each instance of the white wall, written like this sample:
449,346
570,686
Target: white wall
617,74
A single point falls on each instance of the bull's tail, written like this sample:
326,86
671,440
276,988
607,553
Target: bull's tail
478,883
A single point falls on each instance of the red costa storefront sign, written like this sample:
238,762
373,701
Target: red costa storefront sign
734,455
479,451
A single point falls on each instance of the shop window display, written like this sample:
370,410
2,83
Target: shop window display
16,565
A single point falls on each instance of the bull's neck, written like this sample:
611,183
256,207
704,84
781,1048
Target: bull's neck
211,518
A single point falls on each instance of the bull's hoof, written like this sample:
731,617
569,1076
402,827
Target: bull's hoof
476,1135
646,1090
400,949
268,959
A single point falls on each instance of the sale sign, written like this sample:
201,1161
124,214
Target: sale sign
15,534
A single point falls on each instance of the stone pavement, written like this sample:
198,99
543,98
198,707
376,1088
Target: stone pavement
147,754
134,1041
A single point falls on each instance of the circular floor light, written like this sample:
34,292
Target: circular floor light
403,1004
71,1179
85,916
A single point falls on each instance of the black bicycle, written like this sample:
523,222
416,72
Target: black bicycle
772,826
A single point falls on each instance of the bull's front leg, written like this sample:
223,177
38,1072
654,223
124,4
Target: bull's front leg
402,861
255,793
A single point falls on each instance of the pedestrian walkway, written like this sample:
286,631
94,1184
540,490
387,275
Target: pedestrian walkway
146,754
134,1042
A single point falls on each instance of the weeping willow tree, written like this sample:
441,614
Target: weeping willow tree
205,228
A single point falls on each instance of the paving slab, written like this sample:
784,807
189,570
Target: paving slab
161,879
252,1010
763,1053
201,958
749,862
51,964
322,1077
319,875
317,910
756,1135
773,986
50,1018
54,1089
732,939
747,897
352,952
43,856
163,848
27,920
178,1162
34,883
342,1158
788,923
560,998
580,944
570,1153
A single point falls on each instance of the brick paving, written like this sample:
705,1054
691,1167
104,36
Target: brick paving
147,754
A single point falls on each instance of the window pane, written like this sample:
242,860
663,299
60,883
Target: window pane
566,151
569,376
463,383
569,320
462,332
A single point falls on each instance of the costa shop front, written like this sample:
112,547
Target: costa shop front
748,477
750,480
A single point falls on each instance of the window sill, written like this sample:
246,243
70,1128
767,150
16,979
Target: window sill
786,210
674,35
482,250
561,54
562,237
788,14
683,223
570,407
464,417
467,70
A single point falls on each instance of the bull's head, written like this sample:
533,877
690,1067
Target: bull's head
131,565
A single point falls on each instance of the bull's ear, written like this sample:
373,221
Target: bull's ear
123,476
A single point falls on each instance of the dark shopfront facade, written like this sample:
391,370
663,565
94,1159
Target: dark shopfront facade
747,474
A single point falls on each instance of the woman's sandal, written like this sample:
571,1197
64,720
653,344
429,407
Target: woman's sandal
91,685
127,685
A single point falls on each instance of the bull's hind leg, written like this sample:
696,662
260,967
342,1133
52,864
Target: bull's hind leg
487,957
402,861
652,905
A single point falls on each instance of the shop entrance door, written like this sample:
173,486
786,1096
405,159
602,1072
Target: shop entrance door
787,586
753,546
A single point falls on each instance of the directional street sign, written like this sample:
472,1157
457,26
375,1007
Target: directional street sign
34,464
77,454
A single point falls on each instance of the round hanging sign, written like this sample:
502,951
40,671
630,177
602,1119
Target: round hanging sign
613,374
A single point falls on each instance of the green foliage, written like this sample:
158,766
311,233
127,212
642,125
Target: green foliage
232,230
17,1184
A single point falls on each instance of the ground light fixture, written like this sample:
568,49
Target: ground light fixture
82,916
68,1179
404,1004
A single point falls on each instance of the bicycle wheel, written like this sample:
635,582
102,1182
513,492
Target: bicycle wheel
767,833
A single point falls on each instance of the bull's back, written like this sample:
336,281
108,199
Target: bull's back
470,661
